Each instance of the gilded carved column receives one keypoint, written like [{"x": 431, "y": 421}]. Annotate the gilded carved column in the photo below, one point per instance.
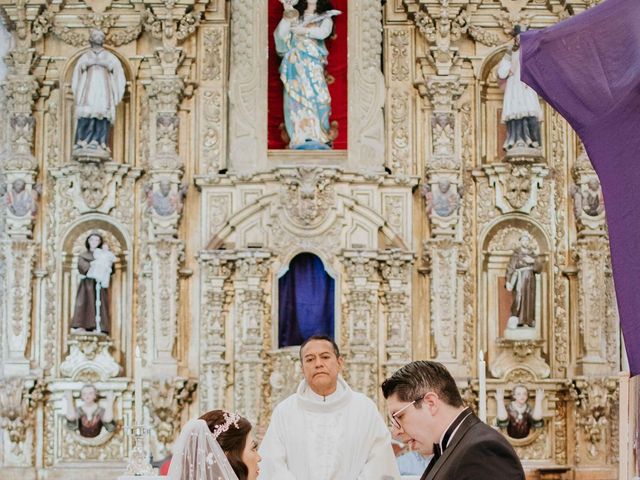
[
  {"x": 164, "y": 190},
  {"x": 597, "y": 326},
  {"x": 444, "y": 252},
  {"x": 216, "y": 269},
  {"x": 395, "y": 267},
  {"x": 19, "y": 168},
  {"x": 251, "y": 327},
  {"x": 359, "y": 335}
]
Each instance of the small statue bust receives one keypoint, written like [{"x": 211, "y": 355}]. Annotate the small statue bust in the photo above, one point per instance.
[
  {"x": 20, "y": 201},
  {"x": 89, "y": 418},
  {"x": 518, "y": 418}
]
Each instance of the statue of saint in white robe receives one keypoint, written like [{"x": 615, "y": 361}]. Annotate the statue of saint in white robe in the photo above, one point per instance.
[{"x": 338, "y": 437}]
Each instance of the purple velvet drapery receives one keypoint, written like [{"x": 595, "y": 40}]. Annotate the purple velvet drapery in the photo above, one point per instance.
[{"x": 305, "y": 301}]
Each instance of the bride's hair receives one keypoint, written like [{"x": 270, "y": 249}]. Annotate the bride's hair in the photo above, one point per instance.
[{"x": 232, "y": 440}]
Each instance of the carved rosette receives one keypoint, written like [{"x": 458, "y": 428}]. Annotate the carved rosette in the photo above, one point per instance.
[
  {"x": 166, "y": 399},
  {"x": 251, "y": 317},
  {"x": 214, "y": 364},
  {"x": 360, "y": 335},
  {"x": 395, "y": 269}
]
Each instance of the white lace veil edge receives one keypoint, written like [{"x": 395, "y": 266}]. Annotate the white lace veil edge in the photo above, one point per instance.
[{"x": 197, "y": 455}]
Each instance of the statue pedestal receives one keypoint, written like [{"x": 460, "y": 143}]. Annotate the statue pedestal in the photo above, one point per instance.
[
  {"x": 90, "y": 351},
  {"x": 519, "y": 354},
  {"x": 520, "y": 153},
  {"x": 520, "y": 333}
]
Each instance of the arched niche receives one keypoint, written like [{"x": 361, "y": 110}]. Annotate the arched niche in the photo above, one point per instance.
[
  {"x": 306, "y": 300},
  {"x": 497, "y": 245},
  {"x": 123, "y": 133},
  {"x": 120, "y": 288},
  {"x": 490, "y": 91}
]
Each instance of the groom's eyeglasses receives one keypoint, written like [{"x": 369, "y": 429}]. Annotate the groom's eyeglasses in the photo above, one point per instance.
[{"x": 393, "y": 417}]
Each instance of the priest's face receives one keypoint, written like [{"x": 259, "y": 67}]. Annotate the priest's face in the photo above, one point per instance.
[
  {"x": 321, "y": 366},
  {"x": 414, "y": 422}
]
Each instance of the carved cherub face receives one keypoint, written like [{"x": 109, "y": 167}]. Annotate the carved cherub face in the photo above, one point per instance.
[
  {"x": 18, "y": 185},
  {"x": 89, "y": 394},
  {"x": 593, "y": 184},
  {"x": 520, "y": 394},
  {"x": 165, "y": 188},
  {"x": 444, "y": 186}
]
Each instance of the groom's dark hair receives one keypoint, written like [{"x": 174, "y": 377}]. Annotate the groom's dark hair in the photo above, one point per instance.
[
  {"x": 416, "y": 379},
  {"x": 326, "y": 338}
]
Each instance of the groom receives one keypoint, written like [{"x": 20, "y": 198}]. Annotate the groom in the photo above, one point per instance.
[{"x": 427, "y": 412}]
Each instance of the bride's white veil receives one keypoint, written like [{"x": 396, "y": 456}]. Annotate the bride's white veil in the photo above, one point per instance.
[{"x": 197, "y": 455}]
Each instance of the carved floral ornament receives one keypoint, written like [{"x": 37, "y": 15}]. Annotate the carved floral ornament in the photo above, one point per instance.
[{"x": 167, "y": 25}]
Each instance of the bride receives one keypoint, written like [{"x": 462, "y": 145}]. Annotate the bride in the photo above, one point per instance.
[{"x": 217, "y": 446}]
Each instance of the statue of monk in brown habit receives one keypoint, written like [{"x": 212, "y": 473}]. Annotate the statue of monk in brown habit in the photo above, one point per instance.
[{"x": 521, "y": 280}]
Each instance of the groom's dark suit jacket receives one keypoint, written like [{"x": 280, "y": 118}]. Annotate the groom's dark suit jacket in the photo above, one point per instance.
[{"x": 477, "y": 452}]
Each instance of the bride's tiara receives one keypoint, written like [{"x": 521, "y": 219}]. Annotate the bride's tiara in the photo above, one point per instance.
[{"x": 229, "y": 419}]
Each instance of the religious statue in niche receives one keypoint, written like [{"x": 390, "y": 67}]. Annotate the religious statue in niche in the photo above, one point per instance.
[
  {"x": 89, "y": 418},
  {"x": 588, "y": 200},
  {"x": 444, "y": 200},
  {"x": 95, "y": 265},
  {"x": 300, "y": 41},
  {"x": 98, "y": 86},
  {"x": 520, "y": 108},
  {"x": 164, "y": 201},
  {"x": 20, "y": 201},
  {"x": 518, "y": 418},
  {"x": 523, "y": 266}
]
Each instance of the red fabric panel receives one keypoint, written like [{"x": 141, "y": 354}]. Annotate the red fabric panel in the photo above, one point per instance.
[{"x": 336, "y": 69}]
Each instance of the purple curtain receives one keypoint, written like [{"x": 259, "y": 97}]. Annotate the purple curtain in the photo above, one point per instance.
[{"x": 306, "y": 301}]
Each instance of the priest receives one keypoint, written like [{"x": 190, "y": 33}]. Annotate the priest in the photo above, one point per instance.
[{"x": 326, "y": 431}]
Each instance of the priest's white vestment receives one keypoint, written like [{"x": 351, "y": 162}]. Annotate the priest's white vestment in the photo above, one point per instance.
[{"x": 338, "y": 437}]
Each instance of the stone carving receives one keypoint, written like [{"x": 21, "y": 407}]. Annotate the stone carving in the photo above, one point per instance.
[
  {"x": 251, "y": 323},
  {"x": 516, "y": 186},
  {"x": 167, "y": 200},
  {"x": 588, "y": 202},
  {"x": 212, "y": 69},
  {"x": 167, "y": 399},
  {"x": 360, "y": 307},
  {"x": 308, "y": 196},
  {"x": 595, "y": 400},
  {"x": 592, "y": 261},
  {"x": 400, "y": 141},
  {"x": 212, "y": 134},
  {"x": 519, "y": 355},
  {"x": 90, "y": 358},
  {"x": 395, "y": 271},
  {"x": 368, "y": 85},
  {"x": 400, "y": 47},
  {"x": 19, "y": 399},
  {"x": 442, "y": 134},
  {"x": 214, "y": 369}
]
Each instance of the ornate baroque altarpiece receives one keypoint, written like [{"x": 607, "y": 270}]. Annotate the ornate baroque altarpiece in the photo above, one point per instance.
[{"x": 417, "y": 222}]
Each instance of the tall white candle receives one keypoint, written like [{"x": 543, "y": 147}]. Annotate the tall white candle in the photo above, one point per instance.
[
  {"x": 137, "y": 373},
  {"x": 482, "y": 377}
]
